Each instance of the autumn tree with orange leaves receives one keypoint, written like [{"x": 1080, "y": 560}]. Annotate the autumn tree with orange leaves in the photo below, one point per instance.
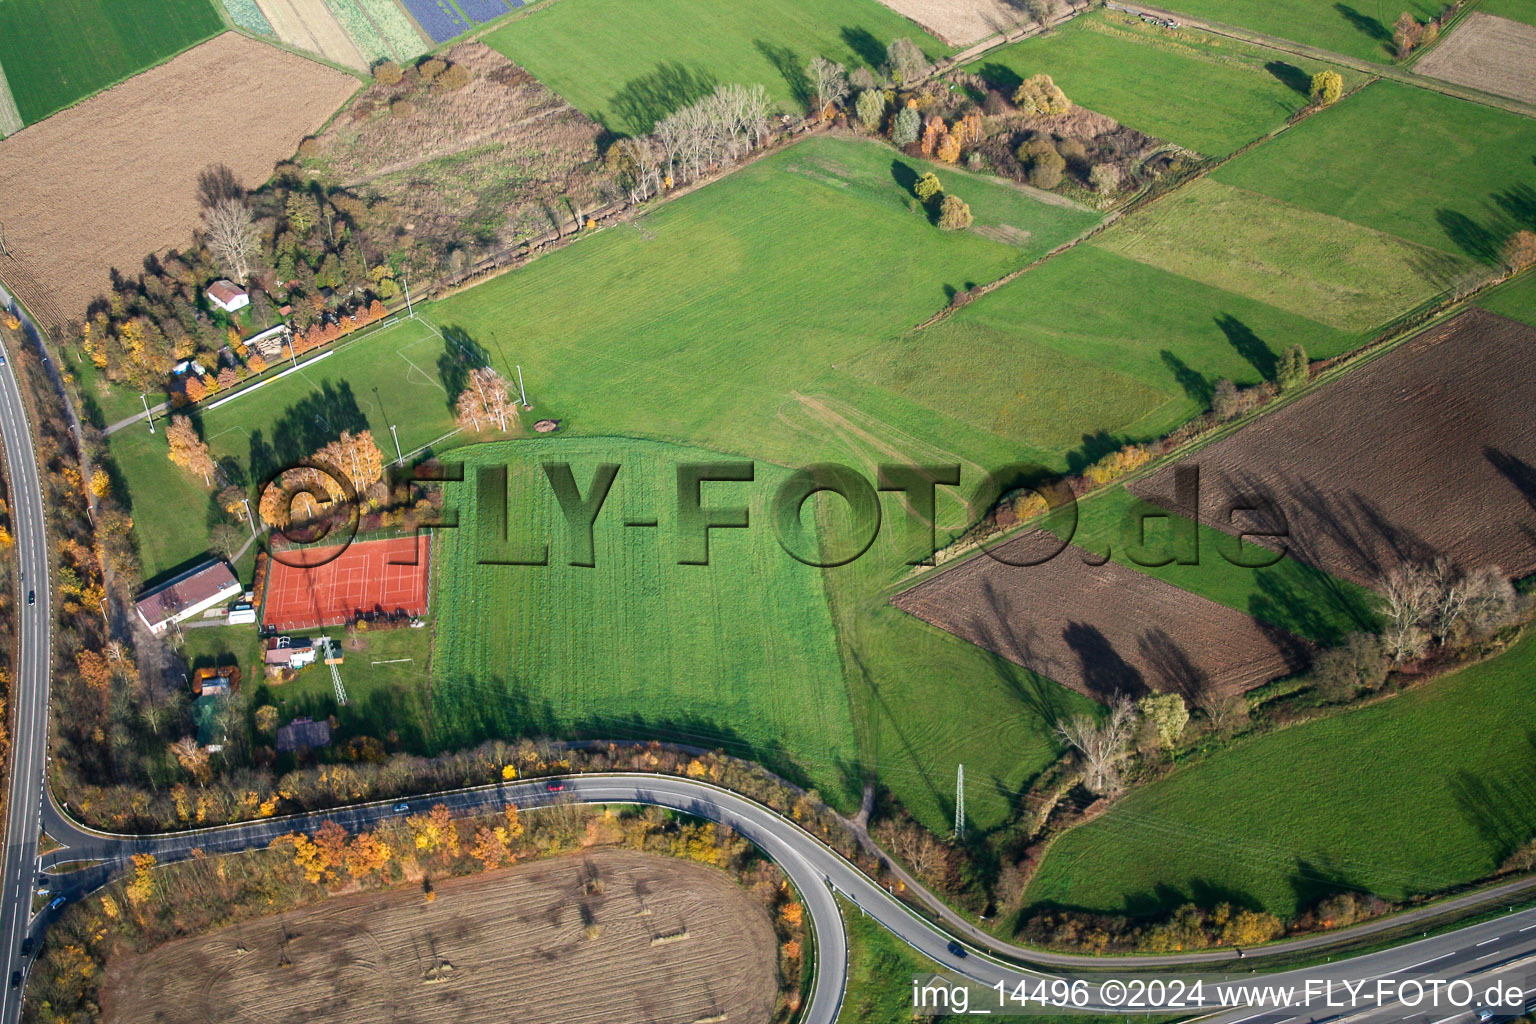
[{"x": 189, "y": 451}]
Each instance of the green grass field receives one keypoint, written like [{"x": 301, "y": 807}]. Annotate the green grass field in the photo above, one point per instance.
[
  {"x": 1362, "y": 29},
  {"x": 1202, "y": 92},
  {"x": 738, "y": 654},
  {"x": 629, "y": 65},
  {"x": 57, "y": 52},
  {"x": 386, "y": 676},
  {"x": 1422, "y": 792},
  {"x": 1089, "y": 347},
  {"x": 1516, "y": 299},
  {"x": 1307, "y": 263},
  {"x": 724, "y": 318},
  {"x": 1458, "y": 181}
]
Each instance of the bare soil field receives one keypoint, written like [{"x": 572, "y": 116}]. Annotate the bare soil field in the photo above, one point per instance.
[
  {"x": 310, "y": 25},
  {"x": 1487, "y": 52},
  {"x": 1428, "y": 451},
  {"x": 102, "y": 184},
  {"x": 675, "y": 942},
  {"x": 1101, "y": 629},
  {"x": 963, "y": 22},
  {"x": 491, "y": 156}
]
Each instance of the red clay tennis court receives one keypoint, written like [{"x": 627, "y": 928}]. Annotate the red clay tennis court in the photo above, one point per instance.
[{"x": 362, "y": 580}]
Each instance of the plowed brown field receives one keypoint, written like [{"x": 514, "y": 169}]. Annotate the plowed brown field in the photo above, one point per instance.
[
  {"x": 509, "y": 947},
  {"x": 109, "y": 181},
  {"x": 1487, "y": 52},
  {"x": 1428, "y": 451},
  {"x": 1101, "y": 629}
]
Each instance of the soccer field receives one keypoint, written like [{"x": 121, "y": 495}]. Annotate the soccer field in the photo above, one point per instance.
[{"x": 57, "y": 52}]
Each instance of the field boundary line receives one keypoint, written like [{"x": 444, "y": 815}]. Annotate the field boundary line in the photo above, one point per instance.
[
  {"x": 1398, "y": 74},
  {"x": 10, "y": 114}
]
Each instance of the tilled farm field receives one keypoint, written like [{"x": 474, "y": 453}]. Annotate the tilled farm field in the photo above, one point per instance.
[
  {"x": 1490, "y": 53},
  {"x": 128, "y": 161},
  {"x": 1429, "y": 451},
  {"x": 1101, "y": 629},
  {"x": 674, "y": 942},
  {"x": 310, "y": 25}
]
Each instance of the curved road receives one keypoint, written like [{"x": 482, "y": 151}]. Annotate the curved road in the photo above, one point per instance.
[{"x": 1495, "y": 949}]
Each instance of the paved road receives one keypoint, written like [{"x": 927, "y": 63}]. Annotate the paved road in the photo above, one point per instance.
[{"x": 29, "y": 739}]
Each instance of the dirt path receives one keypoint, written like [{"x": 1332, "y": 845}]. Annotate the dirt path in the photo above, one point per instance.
[{"x": 310, "y": 25}]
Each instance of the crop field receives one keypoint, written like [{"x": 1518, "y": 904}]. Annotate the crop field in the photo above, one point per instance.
[
  {"x": 1515, "y": 10},
  {"x": 963, "y": 22},
  {"x": 1398, "y": 461},
  {"x": 311, "y": 25},
  {"x": 1330, "y": 270},
  {"x": 1459, "y": 182},
  {"x": 1206, "y": 93},
  {"x": 1086, "y": 625},
  {"x": 513, "y": 937},
  {"x": 739, "y": 653},
  {"x": 66, "y": 251},
  {"x": 1412, "y": 795},
  {"x": 1088, "y": 347},
  {"x": 1494, "y": 54},
  {"x": 57, "y": 52},
  {"x": 1363, "y": 30},
  {"x": 628, "y": 65}
]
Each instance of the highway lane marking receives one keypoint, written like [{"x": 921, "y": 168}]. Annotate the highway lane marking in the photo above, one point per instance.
[
  {"x": 1528, "y": 927},
  {"x": 1485, "y": 942},
  {"x": 1421, "y": 963}
]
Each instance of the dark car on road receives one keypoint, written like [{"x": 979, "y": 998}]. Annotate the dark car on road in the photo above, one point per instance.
[
  {"x": 956, "y": 949},
  {"x": 15, "y": 979},
  {"x": 26, "y": 946},
  {"x": 31, "y": 597}
]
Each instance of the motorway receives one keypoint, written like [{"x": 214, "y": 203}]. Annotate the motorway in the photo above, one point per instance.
[{"x": 1502, "y": 948}]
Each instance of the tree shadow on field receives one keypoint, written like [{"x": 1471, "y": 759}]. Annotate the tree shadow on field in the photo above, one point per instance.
[
  {"x": 1001, "y": 77},
  {"x": 905, "y": 176},
  {"x": 461, "y": 354},
  {"x": 1195, "y": 386},
  {"x": 1248, "y": 345},
  {"x": 1502, "y": 807},
  {"x": 1290, "y": 76},
  {"x": 1364, "y": 23},
  {"x": 646, "y": 99},
  {"x": 1516, "y": 470},
  {"x": 1313, "y": 882},
  {"x": 791, "y": 67},
  {"x": 305, "y": 427},
  {"x": 864, "y": 45},
  {"x": 1104, "y": 672},
  {"x": 1093, "y": 448},
  {"x": 1481, "y": 242}
]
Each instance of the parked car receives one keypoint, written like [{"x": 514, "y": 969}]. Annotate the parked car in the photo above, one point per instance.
[{"x": 58, "y": 901}]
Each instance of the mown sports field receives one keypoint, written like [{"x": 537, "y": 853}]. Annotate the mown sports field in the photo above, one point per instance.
[{"x": 57, "y": 52}]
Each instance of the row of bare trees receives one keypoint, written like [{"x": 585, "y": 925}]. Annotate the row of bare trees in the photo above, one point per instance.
[
  {"x": 719, "y": 129},
  {"x": 1439, "y": 603}
]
